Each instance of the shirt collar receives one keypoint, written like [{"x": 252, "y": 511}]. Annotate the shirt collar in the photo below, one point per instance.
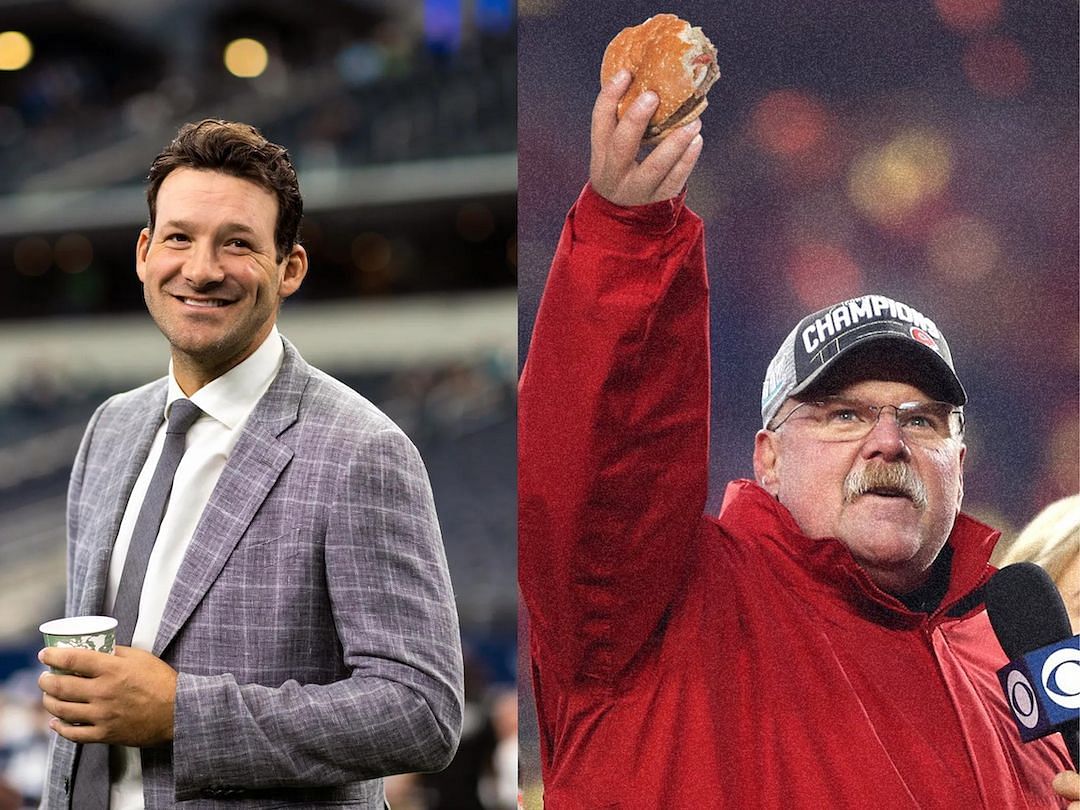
[{"x": 231, "y": 397}]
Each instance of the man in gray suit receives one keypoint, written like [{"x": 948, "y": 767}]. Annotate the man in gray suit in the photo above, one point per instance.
[{"x": 265, "y": 537}]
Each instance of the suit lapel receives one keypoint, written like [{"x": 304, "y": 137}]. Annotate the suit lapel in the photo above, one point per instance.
[
  {"x": 253, "y": 468},
  {"x": 135, "y": 427}
]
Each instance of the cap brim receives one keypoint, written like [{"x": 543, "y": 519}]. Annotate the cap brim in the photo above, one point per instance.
[{"x": 906, "y": 360}]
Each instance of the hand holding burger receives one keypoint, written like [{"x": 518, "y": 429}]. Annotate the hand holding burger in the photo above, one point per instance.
[
  {"x": 633, "y": 109},
  {"x": 669, "y": 57}
]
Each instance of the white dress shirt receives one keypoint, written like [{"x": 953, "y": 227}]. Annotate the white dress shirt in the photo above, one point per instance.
[{"x": 226, "y": 403}]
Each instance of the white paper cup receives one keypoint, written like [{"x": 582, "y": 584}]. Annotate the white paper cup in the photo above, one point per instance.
[{"x": 86, "y": 632}]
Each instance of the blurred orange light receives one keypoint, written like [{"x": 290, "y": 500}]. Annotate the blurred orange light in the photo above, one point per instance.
[
  {"x": 16, "y": 50},
  {"x": 997, "y": 67},
  {"x": 787, "y": 122},
  {"x": 969, "y": 16},
  {"x": 371, "y": 253},
  {"x": 73, "y": 252},
  {"x": 33, "y": 256},
  {"x": 246, "y": 58},
  {"x": 963, "y": 248},
  {"x": 374, "y": 258},
  {"x": 890, "y": 183},
  {"x": 821, "y": 274}
]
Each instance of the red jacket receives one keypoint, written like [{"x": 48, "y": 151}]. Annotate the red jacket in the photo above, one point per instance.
[{"x": 685, "y": 661}]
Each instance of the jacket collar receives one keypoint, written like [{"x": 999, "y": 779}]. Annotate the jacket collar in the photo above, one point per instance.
[{"x": 751, "y": 515}]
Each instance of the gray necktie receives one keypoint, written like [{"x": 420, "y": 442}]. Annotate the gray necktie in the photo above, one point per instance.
[{"x": 91, "y": 785}]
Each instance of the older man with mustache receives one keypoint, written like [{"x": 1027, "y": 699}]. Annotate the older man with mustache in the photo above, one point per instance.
[{"x": 822, "y": 641}]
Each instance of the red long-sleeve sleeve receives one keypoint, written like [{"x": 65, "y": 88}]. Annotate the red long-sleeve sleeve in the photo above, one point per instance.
[{"x": 614, "y": 436}]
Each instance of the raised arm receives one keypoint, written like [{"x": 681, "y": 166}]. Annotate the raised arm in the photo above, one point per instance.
[{"x": 613, "y": 433}]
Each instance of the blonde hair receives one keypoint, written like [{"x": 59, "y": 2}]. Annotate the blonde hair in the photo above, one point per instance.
[{"x": 1051, "y": 540}]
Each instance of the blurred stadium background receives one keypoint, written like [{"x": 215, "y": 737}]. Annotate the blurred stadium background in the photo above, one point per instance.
[
  {"x": 926, "y": 150},
  {"x": 400, "y": 118}
]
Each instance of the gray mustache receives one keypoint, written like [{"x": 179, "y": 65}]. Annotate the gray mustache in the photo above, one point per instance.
[{"x": 894, "y": 476}]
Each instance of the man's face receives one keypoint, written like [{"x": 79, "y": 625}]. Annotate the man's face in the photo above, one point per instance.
[
  {"x": 894, "y": 539},
  {"x": 209, "y": 271}
]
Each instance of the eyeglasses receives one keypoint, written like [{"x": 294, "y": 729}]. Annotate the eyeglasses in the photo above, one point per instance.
[{"x": 843, "y": 419}]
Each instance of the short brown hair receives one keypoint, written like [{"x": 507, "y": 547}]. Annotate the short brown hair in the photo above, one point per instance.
[{"x": 242, "y": 151}]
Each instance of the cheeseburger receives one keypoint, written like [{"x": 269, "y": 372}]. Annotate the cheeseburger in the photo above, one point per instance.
[{"x": 674, "y": 60}]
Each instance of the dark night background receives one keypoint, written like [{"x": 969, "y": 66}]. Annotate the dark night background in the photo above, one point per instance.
[{"x": 923, "y": 150}]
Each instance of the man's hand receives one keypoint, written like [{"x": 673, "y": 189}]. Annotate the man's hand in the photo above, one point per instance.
[
  {"x": 124, "y": 699},
  {"x": 614, "y": 171},
  {"x": 1067, "y": 786}
]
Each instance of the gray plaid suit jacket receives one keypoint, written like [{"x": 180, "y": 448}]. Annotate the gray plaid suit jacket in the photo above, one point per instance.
[{"x": 312, "y": 621}]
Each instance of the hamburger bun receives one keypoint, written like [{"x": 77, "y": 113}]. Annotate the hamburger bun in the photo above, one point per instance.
[{"x": 675, "y": 60}]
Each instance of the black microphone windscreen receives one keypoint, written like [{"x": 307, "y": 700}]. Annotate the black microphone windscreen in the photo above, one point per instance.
[{"x": 1025, "y": 609}]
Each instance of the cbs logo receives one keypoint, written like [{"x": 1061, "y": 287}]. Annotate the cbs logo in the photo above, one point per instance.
[{"x": 1060, "y": 678}]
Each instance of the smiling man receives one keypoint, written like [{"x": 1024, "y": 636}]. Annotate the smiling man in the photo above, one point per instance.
[
  {"x": 213, "y": 284},
  {"x": 821, "y": 642},
  {"x": 265, "y": 537}
]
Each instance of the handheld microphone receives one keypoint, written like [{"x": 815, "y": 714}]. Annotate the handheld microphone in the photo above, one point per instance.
[{"x": 1042, "y": 679}]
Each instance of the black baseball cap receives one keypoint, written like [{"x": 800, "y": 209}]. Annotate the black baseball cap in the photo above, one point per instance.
[{"x": 821, "y": 339}]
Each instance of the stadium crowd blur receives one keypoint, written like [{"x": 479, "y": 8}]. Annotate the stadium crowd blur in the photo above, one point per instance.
[
  {"x": 400, "y": 119},
  {"x": 924, "y": 150}
]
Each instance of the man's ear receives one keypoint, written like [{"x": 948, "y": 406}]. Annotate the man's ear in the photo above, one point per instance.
[
  {"x": 767, "y": 461},
  {"x": 296, "y": 265},
  {"x": 142, "y": 247}
]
